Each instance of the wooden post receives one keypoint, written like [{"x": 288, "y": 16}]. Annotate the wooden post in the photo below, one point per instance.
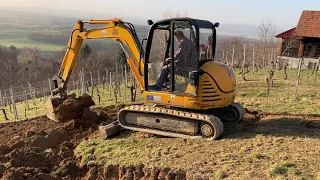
[
  {"x": 78, "y": 89},
  {"x": 1, "y": 102},
  {"x": 244, "y": 62},
  {"x": 5, "y": 98},
  {"x": 107, "y": 74},
  {"x": 30, "y": 89},
  {"x": 99, "y": 82},
  {"x": 222, "y": 56},
  {"x": 227, "y": 58},
  {"x": 301, "y": 48},
  {"x": 50, "y": 88},
  {"x": 125, "y": 75},
  {"x": 91, "y": 80},
  {"x": 122, "y": 74},
  {"x": 83, "y": 87},
  {"x": 232, "y": 60},
  {"x": 110, "y": 84},
  {"x": 73, "y": 86},
  {"x": 103, "y": 80},
  {"x": 26, "y": 99},
  {"x": 34, "y": 96},
  {"x": 98, "y": 94},
  {"x": 117, "y": 79},
  {"x": 115, "y": 95},
  {"x": 299, "y": 74},
  {"x": 13, "y": 104},
  {"x": 253, "y": 64}
]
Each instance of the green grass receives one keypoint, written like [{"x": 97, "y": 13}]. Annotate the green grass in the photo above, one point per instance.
[
  {"x": 253, "y": 93},
  {"x": 19, "y": 39},
  {"x": 235, "y": 158}
]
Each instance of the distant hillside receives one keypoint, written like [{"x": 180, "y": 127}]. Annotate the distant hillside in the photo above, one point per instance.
[{"x": 51, "y": 33}]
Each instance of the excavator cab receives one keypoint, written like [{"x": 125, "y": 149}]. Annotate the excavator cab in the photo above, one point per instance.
[{"x": 178, "y": 58}]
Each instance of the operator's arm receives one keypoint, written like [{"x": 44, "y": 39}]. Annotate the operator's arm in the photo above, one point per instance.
[{"x": 181, "y": 52}]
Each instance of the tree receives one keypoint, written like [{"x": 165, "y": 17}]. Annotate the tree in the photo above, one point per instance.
[
  {"x": 267, "y": 31},
  {"x": 28, "y": 59},
  {"x": 9, "y": 62},
  {"x": 85, "y": 51}
]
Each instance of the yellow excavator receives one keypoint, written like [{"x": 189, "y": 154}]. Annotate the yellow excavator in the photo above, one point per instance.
[{"x": 194, "y": 99}]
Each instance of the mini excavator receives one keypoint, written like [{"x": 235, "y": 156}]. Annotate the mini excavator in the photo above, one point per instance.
[{"x": 194, "y": 100}]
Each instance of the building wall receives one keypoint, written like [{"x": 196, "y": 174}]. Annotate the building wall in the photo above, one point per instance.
[{"x": 293, "y": 62}]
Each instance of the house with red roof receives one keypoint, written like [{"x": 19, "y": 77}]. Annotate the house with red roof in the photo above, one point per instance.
[{"x": 302, "y": 41}]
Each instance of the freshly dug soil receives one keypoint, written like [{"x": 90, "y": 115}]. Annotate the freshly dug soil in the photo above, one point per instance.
[{"x": 42, "y": 149}]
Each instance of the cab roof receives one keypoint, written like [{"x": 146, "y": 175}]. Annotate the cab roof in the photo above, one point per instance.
[{"x": 197, "y": 22}]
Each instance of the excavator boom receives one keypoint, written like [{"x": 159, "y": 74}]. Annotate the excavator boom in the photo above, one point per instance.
[{"x": 115, "y": 29}]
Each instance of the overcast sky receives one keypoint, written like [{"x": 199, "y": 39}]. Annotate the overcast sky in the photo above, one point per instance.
[{"x": 249, "y": 12}]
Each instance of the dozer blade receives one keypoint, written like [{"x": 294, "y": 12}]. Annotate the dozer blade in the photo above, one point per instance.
[{"x": 110, "y": 130}]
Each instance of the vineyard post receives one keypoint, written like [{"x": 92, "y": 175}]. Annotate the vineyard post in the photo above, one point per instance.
[
  {"x": 244, "y": 62},
  {"x": 222, "y": 56},
  {"x": 107, "y": 74},
  {"x": 232, "y": 60},
  {"x": 125, "y": 75},
  {"x": 91, "y": 82},
  {"x": 117, "y": 79},
  {"x": 99, "y": 82},
  {"x": 83, "y": 88},
  {"x": 13, "y": 104},
  {"x": 6, "y": 98},
  {"x": 253, "y": 63},
  {"x": 227, "y": 58},
  {"x": 110, "y": 84},
  {"x": 299, "y": 75},
  {"x": 50, "y": 87},
  {"x": 30, "y": 89},
  {"x": 1, "y": 101}
]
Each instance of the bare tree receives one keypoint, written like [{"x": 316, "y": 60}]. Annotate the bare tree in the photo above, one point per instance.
[
  {"x": 267, "y": 31},
  {"x": 9, "y": 61},
  {"x": 28, "y": 59}
]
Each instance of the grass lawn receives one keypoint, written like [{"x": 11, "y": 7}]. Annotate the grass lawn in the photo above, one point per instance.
[
  {"x": 253, "y": 93},
  {"x": 272, "y": 148}
]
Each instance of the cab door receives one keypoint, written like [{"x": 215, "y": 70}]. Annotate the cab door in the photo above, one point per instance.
[{"x": 183, "y": 54}]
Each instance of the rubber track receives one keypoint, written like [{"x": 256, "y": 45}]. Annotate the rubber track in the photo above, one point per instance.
[{"x": 211, "y": 119}]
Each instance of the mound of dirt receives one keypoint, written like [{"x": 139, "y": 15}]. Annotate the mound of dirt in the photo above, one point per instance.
[{"x": 71, "y": 107}]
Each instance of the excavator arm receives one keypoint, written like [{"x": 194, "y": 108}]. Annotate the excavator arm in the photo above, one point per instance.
[
  {"x": 61, "y": 107},
  {"x": 115, "y": 29}
]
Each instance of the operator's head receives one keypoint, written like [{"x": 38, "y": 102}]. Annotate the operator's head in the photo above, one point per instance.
[
  {"x": 210, "y": 40},
  {"x": 179, "y": 35}
]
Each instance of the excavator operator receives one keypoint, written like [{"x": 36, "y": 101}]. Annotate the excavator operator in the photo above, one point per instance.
[{"x": 184, "y": 58}]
